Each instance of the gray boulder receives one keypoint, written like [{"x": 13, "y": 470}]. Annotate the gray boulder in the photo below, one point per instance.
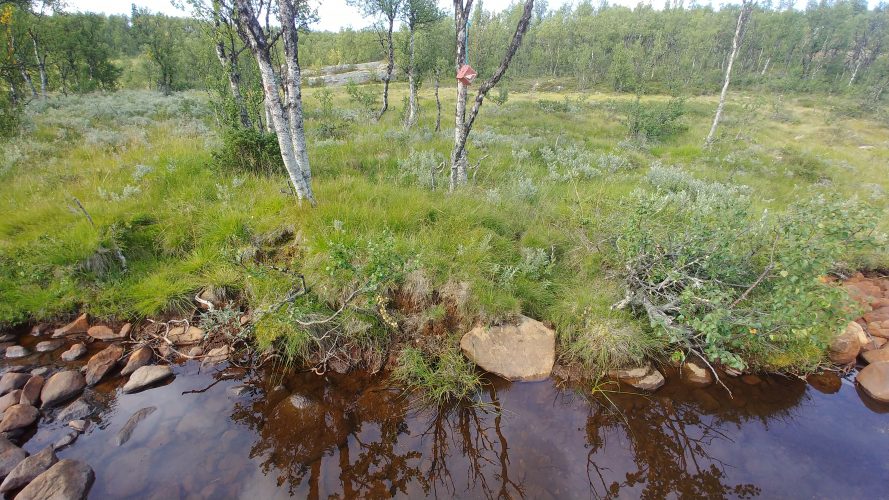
[
  {"x": 61, "y": 387},
  {"x": 66, "y": 480},
  {"x": 28, "y": 469},
  {"x": 146, "y": 376}
]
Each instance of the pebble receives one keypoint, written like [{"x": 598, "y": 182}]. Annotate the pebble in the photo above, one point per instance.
[
  {"x": 42, "y": 371},
  {"x": 79, "y": 409},
  {"x": 65, "y": 440},
  {"x": 79, "y": 425},
  {"x": 74, "y": 352},
  {"x": 16, "y": 352},
  {"x": 48, "y": 345}
]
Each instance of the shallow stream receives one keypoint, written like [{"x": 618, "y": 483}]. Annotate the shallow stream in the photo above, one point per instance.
[{"x": 230, "y": 433}]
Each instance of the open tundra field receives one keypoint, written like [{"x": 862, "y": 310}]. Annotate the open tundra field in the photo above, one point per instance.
[{"x": 583, "y": 210}]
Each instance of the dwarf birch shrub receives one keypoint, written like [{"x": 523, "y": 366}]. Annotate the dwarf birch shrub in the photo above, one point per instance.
[{"x": 742, "y": 288}]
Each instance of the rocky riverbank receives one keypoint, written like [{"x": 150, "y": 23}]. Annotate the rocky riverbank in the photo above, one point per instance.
[{"x": 49, "y": 370}]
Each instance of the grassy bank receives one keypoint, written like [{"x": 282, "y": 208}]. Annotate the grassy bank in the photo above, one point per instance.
[{"x": 561, "y": 204}]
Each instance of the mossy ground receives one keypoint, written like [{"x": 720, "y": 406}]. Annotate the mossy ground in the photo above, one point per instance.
[{"x": 515, "y": 240}]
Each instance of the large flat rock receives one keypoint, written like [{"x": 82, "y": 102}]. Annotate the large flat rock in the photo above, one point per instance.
[
  {"x": 66, "y": 480},
  {"x": 522, "y": 351},
  {"x": 874, "y": 380}
]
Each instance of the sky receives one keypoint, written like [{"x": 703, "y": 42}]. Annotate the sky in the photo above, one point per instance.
[{"x": 333, "y": 14}]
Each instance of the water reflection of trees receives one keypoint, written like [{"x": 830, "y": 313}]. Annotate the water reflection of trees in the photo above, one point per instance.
[
  {"x": 671, "y": 436},
  {"x": 358, "y": 438}
]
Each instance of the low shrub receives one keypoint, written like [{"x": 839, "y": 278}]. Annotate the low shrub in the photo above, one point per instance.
[
  {"x": 655, "y": 120},
  {"x": 249, "y": 150},
  {"x": 720, "y": 280}
]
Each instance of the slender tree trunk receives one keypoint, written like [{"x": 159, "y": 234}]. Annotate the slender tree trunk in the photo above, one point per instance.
[
  {"x": 458, "y": 155},
  {"x": 765, "y": 66},
  {"x": 293, "y": 84},
  {"x": 855, "y": 71},
  {"x": 390, "y": 67},
  {"x": 41, "y": 63},
  {"x": 464, "y": 122},
  {"x": 229, "y": 61},
  {"x": 736, "y": 43},
  {"x": 412, "y": 84},
  {"x": 228, "y": 58},
  {"x": 27, "y": 78},
  {"x": 253, "y": 35},
  {"x": 437, "y": 103}
]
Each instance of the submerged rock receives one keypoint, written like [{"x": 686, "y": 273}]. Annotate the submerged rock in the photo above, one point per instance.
[
  {"x": 99, "y": 365},
  {"x": 181, "y": 336},
  {"x": 139, "y": 358},
  {"x": 521, "y": 352},
  {"x": 79, "y": 325},
  {"x": 10, "y": 456},
  {"x": 126, "y": 432},
  {"x": 66, "y": 440},
  {"x": 66, "y": 480},
  {"x": 300, "y": 402},
  {"x": 12, "y": 381},
  {"x": 696, "y": 373},
  {"x": 43, "y": 371},
  {"x": 31, "y": 391},
  {"x": 146, "y": 376},
  {"x": 874, "y": 381},
  {"x": 78, "y": 425},
  {"x": 74, "y": 352},
  {"x": 17, "y": 417},
  {"x": 644, "y": 377},
  {"x": 845, "y": 347},
  {"x": 76, "y": 410},
  {"x": 28, "y": 469},
  {"x": 828, "y": 383},
  {"x": 61, "y": 387},
  {"x": 102, "y": 332},
  {"x": 650, "y": 382},
  {"x": 216, "y": 356},
  {"x": 48, "y": 345},
  {"x": 637, "y": 372},
  {"x": 237, "y": 391},
  {"x": 16, "y": 351}
]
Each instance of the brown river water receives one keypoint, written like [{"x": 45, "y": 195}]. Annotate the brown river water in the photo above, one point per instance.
[{"x": 230, "y": 433}]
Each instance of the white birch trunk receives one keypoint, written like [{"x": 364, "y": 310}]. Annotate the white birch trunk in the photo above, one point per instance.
[
  {"x": 390, "y": 67},
  {"x": 855, "y": 71},
  {"x": 736, "y": 43},
  {"x": 412, "y": 84},
  {"x": 464, "y": 122},
  {"x": 288, "y": 126}
]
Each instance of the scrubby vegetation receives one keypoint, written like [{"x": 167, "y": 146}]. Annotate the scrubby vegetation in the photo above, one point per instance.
[
  {"x": 604, "y": 215},
  {"x": 728, "y": 246}
]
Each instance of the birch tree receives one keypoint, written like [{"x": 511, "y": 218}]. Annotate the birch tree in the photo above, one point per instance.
[
  {"x": 34, "y": 33},
  {"x": 389, "y": 11},
  {"x": 746, "y": 9},
  {"x": 222, "y": 31},
  {"x": 228, "y": 53},
  {"x": 416, "y": 14},
  {"x": 464, "y": 122},
  {"x": 285, "y": 112}
]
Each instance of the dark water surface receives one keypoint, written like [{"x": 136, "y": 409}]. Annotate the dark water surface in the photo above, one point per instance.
[{"x": 229, "y": 434}]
